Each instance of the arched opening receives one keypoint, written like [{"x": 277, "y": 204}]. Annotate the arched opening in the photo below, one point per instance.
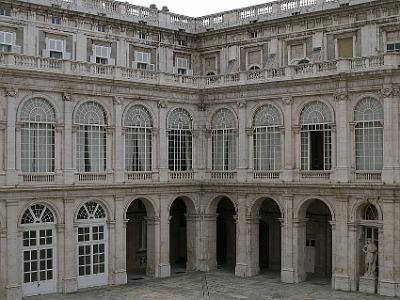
[
  {"x": 178, "y": 236},
  {"x": 269, "y": 237},
  {"x": 226, "y": 234},
  {"x": 316, "y": 240},
  {"x": 136, "y": 241}
]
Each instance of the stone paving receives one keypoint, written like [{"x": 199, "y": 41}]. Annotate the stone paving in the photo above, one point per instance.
[{"x": 220, "y": 286}]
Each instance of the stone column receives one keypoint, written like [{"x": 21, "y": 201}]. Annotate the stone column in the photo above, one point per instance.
[
  {"x": 155, "y": 165},
  {"x": 387, "y": 266},
  {"x": 112, "y": 250},
  {"x": 196, "y": 146},
  {"x": 119, "y": 153},
  {"x": 153, "y": 246},
  {"x": 208, "y": 141},
  {"x": 253, "y": 241},
  {"x": 109, "y": 153},
  {"x": 70, "y": 283},
  {"x": 250, "y": 156},
  {"x": 299, "y": 249},
  {"x": 342, "y": 142},
  {"x": 242, "y": 165},
  {"x": 287, "y": 147},
  {"x": 296, "y": 152},
  {"x": 353, "y": 254},
  {"x": 3, "y": 255},
  {"x": 14, "y": 265},
  {"x": 11, "y": 172},
  {"x": 193, "y": 241},
  {"x": 58, "y": 153},
  {"x": 120, "y": 276},
  {"x": 210, "y": 241},
  {"x": 242, "y": 251},
  {"x": 164, "y": 264},
  {"x": 390, "y": 97},
  {"x": 163, "y": 146},
  {"x": 68, "y": 150},
  {"x": 333, "y": 249},
  {"x": 287, "y": 240},
  {"x": 60, "y": 254},
  {"x": 340, "y": 261}
]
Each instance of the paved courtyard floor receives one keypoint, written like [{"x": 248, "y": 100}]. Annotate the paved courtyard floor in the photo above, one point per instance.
[{"x": 216, "y": 285}]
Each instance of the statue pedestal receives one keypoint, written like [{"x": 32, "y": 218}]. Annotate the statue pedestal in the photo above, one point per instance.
[{"x": 368, "y": 285}]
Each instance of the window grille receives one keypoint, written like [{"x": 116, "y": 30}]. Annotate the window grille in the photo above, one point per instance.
[
  {"x": 91, "y": 137},
  {"x": 91, "y": 210},
  {"x": 267, "y": 138},
  {"x": 371, "y": 213},
  {"x": 37, "y": 214},
  {"x": 223, "y": 127},
  {"x": 368, "y": 115},
  {"x": 315, "y": 137},
  {"x": 180, "y": 140},
  {"x": 138, "y": 124},
  {"x": 37, "y": 136}
]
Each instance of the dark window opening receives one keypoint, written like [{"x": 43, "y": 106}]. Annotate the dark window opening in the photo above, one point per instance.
[{"x": 317, "y": 150}]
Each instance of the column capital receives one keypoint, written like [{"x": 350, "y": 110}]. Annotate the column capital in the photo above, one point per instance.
[
  {"x": 117, "y": 100},
  {"x": 11, "y": 92},
  {"x": 162, "y": 104},
  {"x": 296, "y": 129},
  {"x": 287, "y": 100},
  {"x": 341, "y": 96},
  {"x": 152, "y": 220},
  {"x": 241, "y": 104},
  {"x": 67, "y": 97},
  {"x": 69, "y": 200},
  {"x": 249, "y": 131}
]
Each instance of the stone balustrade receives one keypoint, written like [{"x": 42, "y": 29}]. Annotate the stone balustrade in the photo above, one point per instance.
[
  {"x": 318, "y": 69},
  {"x": 163, "y": 18}
]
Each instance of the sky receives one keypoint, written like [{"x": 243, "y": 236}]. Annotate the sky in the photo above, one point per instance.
[{"x": 198, "y": 8}]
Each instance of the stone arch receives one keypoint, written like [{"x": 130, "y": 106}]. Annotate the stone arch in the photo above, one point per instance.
[
  {"x": 274, "y": 108},
  {"x": 183, "y": 113},
  {"x": 218, "y": 110},
  {"x": 145, "y": 109},
  {"x": 300, "y": 107},
  {"x": 189, "y": 202},
  {"x": 256, "y": 204},
  {"x": 368, "y": 103},
  {"x": 357, "y": 209},
  {"x": 148, "y": 203},
  {"x": 213, "y": 204},
  {"x": 107, "y": 209},
  {"x": 303, "y": 205}
]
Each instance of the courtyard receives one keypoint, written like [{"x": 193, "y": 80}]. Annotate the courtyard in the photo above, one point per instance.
[{"x": 214, "y": 285}]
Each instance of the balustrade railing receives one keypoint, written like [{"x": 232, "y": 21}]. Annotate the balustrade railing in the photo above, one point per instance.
[
  {"x": 223, "y": 175},
  {"x": 315, "y": 174},
  {"x": 23, "y": 62},
  {"x": 368, "y": 176},
  {"x": 266, "y": 175},
  {"x": 91, "y": 177},
  {"x": 139, "y": 176},
  {"x": 181, "y": 175},
  {"x": 38, "y": 177}
]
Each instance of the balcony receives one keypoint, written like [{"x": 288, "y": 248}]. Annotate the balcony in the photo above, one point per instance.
[
  {"x": 91, "y": 177},
  {"x": 315, "y": 175},
  {"x": 266, "y": 175},
  {"x": 368, "y": 176},
  {"x": 316, "y": 70},
  {"x": 36, "y": 178},
  {"x": 223, "y": 176},
  {"x": 181, "y": 175},
  {"x": 139, "y": 176}
]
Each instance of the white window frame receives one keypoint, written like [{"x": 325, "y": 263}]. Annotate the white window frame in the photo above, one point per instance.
[
  {"x": 181, "y": 63},
  {"x": 343, "y": 37},
  {"x": 395, "y": 43},
  {"x": 291, "y": 60}
]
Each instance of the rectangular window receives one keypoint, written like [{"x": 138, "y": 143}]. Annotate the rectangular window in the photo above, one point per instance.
[
  {"x": 56, "y": 20},
  {"x": 296, "y": 52},
  {"x": 56, "y": 48},
  {"x": 393, "y": 41},
  {"x": 4, "y": 11},
  {"x": 182, "y": 65},
  {"x": 102, "y": 54},
  {"x": 345, "y": 47},
  {"x": 101, "y": 28},
  {"x": 6, "y": 41},
  {"x": 316, "y": 147},
  {"x": 142, "y": 35}
]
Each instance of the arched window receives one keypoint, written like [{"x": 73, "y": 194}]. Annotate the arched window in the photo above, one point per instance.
[
  {"x": 368, "y": 115},
  {"x": 38, "y": 119},
  {"x": 138, "y": 124},
  {"x": 38, "y": 251},
  {"x": 179, "y": 140},
  {"x": 91, "y": 137},
  {"x": 92, "y": 245},
  {"x": 316, "y": 141},
  {"x": 223, "y": 126},
  {"x": 371, "y": 213},
  {"x": 267, "y": 138}
]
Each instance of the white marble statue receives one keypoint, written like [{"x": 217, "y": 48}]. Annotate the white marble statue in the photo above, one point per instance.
[{"x": 370, "y": 251}]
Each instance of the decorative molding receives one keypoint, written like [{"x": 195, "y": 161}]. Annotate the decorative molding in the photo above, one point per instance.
[
  {"x": 162, "y": 104},
  {"x": 249, "y": 131},
  {"x": 287, "y": 100},
  {"x": 11, "y": 92},
  {"x": 341, "y": 96},
  {"x": 389, "y": 91},
  {"x": 207, "y": 132},
  {"x": 67, "y": 96},
  {"x": 241, "y": 104},
  {"x": 117, "y": 100},
  {"x": 202, "y": 107}
]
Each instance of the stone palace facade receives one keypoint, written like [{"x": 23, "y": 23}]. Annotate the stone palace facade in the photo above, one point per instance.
[{"x": 138, "y": 141}]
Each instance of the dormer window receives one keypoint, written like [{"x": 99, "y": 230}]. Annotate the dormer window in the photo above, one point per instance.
[
  {"x": 142, "y": 35},
  {"x": 102, "y": 54},
  {"x": 56, "y": 20},
  {"x": 6, "y": 41},
  {"x": 101, "y": 27},
  {"x": 142, "y": 61},
  {"x": 56, "y": 48}
]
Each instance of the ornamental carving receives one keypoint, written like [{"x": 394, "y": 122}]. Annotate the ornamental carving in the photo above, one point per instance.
[
  {"x": 389, "y": 91},
  {"x": 67, "y": 97},
  {"x": 117, "y": 100},
  {"x": 287, "y": 100},
  {"x": 241, "y": 104},
  {"x": 11, "y": 92},
  {"x": 202, "y": 107},
  {"x": 162, "y": 104},
  {"x": 341, "y": 96}
]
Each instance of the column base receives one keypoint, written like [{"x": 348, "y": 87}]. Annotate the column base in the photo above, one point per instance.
[
  {"x": 341, "y": 282},
  {"x": 120, "y": 277},
  {"x": 13, "y": 292},
  {"x": 387, "y": 288},
  {"x": 288, "y": 275},
  {"x": 241, "y": 270},
  {"x": 70, "y": 285},
  {"x": 368, "y": 285},
  {"x": 164, "y": 270},
  {"x": 253, "y": 271}
]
